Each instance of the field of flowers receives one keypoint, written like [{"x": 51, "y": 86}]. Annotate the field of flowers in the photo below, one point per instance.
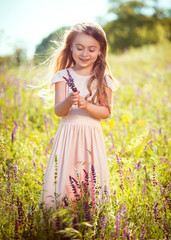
[{"x": 137, "y": 138}]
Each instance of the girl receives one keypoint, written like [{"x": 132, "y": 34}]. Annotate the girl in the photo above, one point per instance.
[{"x": 83, "y": 90}]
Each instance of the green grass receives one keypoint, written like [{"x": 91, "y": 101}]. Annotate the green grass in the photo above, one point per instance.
[{"x": 137, "y": 138}]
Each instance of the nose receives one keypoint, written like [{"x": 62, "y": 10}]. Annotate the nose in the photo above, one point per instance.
[{"x": 85, "y": 52}]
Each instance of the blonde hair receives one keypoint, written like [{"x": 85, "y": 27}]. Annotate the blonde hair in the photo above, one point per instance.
[{"x": 63, "y": 59}]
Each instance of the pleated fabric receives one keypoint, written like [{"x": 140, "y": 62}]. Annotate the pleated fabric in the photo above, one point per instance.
[{"x": 78, "y": 144}]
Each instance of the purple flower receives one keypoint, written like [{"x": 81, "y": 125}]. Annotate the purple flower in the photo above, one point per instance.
[
  {"x": 155, "y": 209},
  {"x": 93, "y": 173},
  {"x": 86, "y": 210},
  {"x": 142, "y": 232},
  {"x": 72, "y": 180},
  {"x": 70, "y": 82},
  {"x": 14, "y": 131}
]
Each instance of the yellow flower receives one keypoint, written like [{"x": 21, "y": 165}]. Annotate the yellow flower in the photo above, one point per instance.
[
  {"x": 141, "y": 122},
  {"x": 111, "y": 123},
  {"x": 126, "y": 118}
]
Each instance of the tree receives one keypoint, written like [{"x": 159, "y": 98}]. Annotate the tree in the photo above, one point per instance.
[{"x": 132, "y": 27}]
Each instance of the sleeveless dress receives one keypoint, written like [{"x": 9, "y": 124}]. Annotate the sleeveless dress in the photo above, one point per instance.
[{"x": 78, "y": 145}]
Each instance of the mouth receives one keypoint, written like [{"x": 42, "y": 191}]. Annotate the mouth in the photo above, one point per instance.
[{"x": 84, "y": 60}]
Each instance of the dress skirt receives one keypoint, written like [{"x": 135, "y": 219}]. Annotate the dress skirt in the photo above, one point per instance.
[{"x": 78, "y": 145}]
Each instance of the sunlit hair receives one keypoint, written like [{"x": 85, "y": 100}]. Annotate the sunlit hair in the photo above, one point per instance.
[{"x": 63, "y": 59}]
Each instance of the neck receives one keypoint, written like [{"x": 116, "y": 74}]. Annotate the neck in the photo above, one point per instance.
[{"x": 83, "y": 71}]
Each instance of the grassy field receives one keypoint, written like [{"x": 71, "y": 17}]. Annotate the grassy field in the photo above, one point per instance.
[{"x": 137, "y": 138}]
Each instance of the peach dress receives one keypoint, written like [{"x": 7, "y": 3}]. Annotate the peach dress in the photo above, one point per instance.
[{"x": 78, "y": 144}]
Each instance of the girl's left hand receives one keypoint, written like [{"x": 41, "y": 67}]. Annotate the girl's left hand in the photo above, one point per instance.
[{"x": 82, "y": 103}]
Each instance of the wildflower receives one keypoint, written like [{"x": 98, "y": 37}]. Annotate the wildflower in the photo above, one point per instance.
[
  {"x": 8, "y": 182},
  {"x": 14, "y": 131},
  {"x": 111, "y": 123},
  {"x": 126, "y": 234},
  {"x": 141, "y": 123},
  {"x": 70, "y": 82},
  {"x": 86, "y": 210},
  {"x": 93, "y": 182},
  {"x": 165, "y": 139},
  {"x": 126, "y": 118},
  {"x": 155, "y": 210},
  {"x": 142, "y": 232},
  {"x": 102, "y": 221},
  {"x": 72, "y": 180},
  {"x": 138, "y": 165},
  {"x": 117, "y": 224},
  {"x": 154, "y": 180},
  {"x": 147, "y": 145}
]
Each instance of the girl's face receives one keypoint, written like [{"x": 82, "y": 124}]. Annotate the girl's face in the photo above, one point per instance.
[{"x": 85, "y": 50}]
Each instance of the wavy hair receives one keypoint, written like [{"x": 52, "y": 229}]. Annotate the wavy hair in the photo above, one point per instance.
[{"x": 63, "y": 59}]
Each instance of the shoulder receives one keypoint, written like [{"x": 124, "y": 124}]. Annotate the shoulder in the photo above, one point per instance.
[
  {"x": 112, "y": 83},
  {"x": 58, "y": 77}
]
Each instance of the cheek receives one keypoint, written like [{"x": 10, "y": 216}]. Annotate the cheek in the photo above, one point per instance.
[{"x": 75, "y": 53}]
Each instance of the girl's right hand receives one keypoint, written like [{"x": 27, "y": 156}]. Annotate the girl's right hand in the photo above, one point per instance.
[{"x": 74, "y": 97}]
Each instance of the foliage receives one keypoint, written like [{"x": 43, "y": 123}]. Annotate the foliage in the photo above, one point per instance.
[
  {"x": 137, "y": 139},
  {"x": 132, "y": 27},
  {"x": 19, "y": 57}
]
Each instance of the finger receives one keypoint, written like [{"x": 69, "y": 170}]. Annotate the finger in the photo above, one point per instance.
[{"x": 75, "y": 93}]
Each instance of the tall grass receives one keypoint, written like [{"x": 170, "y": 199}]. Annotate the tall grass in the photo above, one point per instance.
[{"x": 137, "y": 138}]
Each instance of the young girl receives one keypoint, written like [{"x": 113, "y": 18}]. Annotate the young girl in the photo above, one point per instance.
[{"x": 83, "y": 90}]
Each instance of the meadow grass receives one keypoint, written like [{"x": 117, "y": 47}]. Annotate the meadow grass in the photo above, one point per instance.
[{"x": 137, "y": 139}]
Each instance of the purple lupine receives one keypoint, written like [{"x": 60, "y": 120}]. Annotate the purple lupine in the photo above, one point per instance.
[
  {"x": 147, "y": 145},
  {"x": 138, "y": 165},
  {"x": 70, "y": 82},
  {"x": 103, "y": 224},
  {"x": 86, "y": 177},
  {"x": 164, "y": 206},
  {"x": 126, "y": 234},
  {"x": 64, "y": 199},
  {"x": 16, "y": 229},
  {"x": 20, "y": 211},
  {"x": 37, "y": 181},
  {"x": 142, "y": 232},
  {"x": 165, "y": 139},
  {"x": 74, "y": 188},
  {"x": 93, "y": 183},
  {"x": 8, "y": 182},
  {"x": 164, "y": 228},
  {"x": 124, "y": 212},
  {"x": 117, "y": 224},
  {"x": 43, "y": 167},
  {"x": 87, "y": 211},
  {"x": 93, "y": 173},
  {"x": 154, "y": 179},
  {"x": 155, "y": 210},
  {"x": 14, "y": 131}
]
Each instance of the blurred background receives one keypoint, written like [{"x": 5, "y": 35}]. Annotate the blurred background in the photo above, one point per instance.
[{"x": 27, "y": 27}]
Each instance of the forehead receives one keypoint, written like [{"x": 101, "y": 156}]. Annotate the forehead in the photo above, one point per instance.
[{"x": 85, "y": 40}]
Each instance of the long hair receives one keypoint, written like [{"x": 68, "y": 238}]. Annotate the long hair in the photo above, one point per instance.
[{"x": 63, "y": 59}]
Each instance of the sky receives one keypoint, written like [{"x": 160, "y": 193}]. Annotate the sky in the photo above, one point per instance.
[{"x": 24, "y": 23}]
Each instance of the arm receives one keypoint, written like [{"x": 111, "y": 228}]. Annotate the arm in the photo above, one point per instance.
[
  {"x": 63, "y": 104},
  {"x": 99, "y": 112}
]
